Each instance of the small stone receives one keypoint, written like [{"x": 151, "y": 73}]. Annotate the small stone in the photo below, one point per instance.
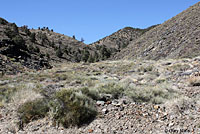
[
  {"x": 168, "y": 63},
  {"x": 156, "y": 107},
  {"x": 35, "y": 129},
  {"x": 108, "y": 102},
  {"x": 4, "y": 82},
  {"x": 165, "y": 114},
  {"x": 90, "y": 130},
  {"x": 105, "y": 97},
  {"x": 114, "y": 102},
  {"x": 170, "y": 124},
  {"x": 104, "y": 111},
  {"x": 157, "y": 116},
  {"x": 100, "y": 103},
  {"x": 121, "y": 108},
  {"x": 118, "y": 117}
]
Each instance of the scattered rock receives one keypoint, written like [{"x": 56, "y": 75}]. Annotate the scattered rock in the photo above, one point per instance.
[
  {"x": 105, "y": 111},
  {"x": 100, "y": 103},
  {"x": 4, "y": 82},
  {"x": 90, "y": 130},
  {"x": 106, "y": 97},
  {"x": 156, "y": 107}
]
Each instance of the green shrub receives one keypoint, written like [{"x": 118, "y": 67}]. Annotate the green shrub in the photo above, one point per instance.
[
  {"x": 105, "y": 52},
  {"x": 94, "y": 94},
  {"x": 26, "y": 30},
  {"x": 10, "y": 33},
  {"x": 42, "y": 36},
  {"x": 91, "y": 59},
  {"x": 19, "y": 41},
  {"x": 52, "y": 44},
  {"x": 47, "y": 55},
  {"x": 37, "y": 49},
  {"x": 33, "y": 110},
  {"x": 59, "y": 53},
  {"x": 71, "y": 108},
  {"x": 32, "y": 37},
  {"x": 31, "y": 48},
  {"x": 85, "y": 55},
  {"x": 3, "y": 21},
  {"x": 14, "y": 27}
]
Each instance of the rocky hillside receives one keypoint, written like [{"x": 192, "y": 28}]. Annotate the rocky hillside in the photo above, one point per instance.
[
  {"x": 175, "y": 38},
  {"x": 121, "y": 39},
  {"x": 21, "y": 47}
]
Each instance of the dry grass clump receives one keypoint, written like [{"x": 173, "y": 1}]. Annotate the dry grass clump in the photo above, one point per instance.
[
  {"x": 144, "y": 93},
  {"x": 194, "y": 81},
  {"x": 90, "y": 92},
  {"x": 151, "y": 94},
  {"x": 145, "y": 69},
  {"x": 179, "y": 67},
  {"x": 26, "y": 94},
  {"x": 161, "y": 80},
  {"x": 6, "y": 93},
  {"x": 61, "y": 76},
  {"x": 1, "y": 104},
  {"x": 116, "y": 90},
  {"x": 181, "y": 104}
]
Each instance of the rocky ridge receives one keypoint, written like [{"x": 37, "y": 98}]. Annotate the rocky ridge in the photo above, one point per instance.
[
  {"x": 121, "y": 39},
  {"x": 175, "y": 38}
]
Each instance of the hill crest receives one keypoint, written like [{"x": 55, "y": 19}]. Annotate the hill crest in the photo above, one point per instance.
[{"x": 175, "y": 38}]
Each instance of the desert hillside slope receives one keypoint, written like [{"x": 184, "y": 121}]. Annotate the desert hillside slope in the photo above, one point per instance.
[
  {"x": 176, "y": 38},
  {"x": 21, "y": 47},
  {"x": 121, "y": 38},
  {"x": 51, "y": 83}
]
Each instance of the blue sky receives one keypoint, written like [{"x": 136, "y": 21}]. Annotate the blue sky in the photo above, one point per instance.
[{"x": 91, "y": 19}]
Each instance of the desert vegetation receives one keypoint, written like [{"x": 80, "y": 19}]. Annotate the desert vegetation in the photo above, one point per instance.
[
  {"x": 132, "y": 81},
  {"x": 75, "y": 103}
]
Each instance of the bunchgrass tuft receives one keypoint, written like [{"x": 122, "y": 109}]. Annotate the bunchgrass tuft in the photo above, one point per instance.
[
  {"x": 151, "y": 94},
  {"x": 114, "y": 89},
  {"x": 6, "y": 93}
]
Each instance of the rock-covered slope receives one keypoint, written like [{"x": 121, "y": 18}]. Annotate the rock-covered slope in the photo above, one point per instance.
[
  {"x": 21, "y": 47},
  {"x": 121, "y": 39},
  {"x": 175, "y": 38}
]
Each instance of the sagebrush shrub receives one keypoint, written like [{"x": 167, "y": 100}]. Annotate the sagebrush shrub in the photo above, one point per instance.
[
  {"x": 72, "y": 108},
  {"x": 33, "y": 110}
]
